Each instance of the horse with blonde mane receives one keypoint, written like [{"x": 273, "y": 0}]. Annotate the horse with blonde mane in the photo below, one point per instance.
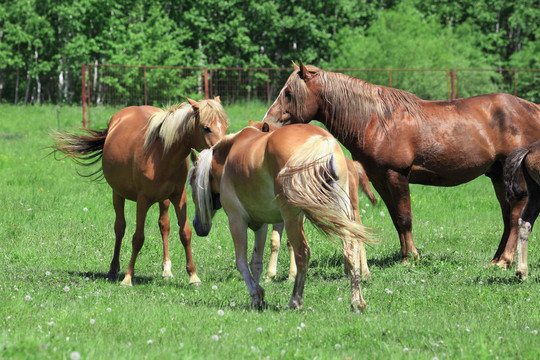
[
  {"x": 401, "y": 139},
  {"x": 524, "y": 160},
  {"x": 357, "y": 179},
  {"x": 276, "y": 177},
  {"x": 144, "y": 158}
]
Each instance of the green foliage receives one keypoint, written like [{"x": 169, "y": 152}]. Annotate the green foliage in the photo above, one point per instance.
[{"x": 56, "y": 241}]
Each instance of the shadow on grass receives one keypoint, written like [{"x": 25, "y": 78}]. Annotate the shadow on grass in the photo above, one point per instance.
[{"x": 143, "y": 280}]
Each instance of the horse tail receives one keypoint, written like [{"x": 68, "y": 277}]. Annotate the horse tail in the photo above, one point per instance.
[
  {"x": 83, "y": 149},
  {"x": 364, "y": 182},
  {"x": 514, "y": 190},
  {"x": 310, "y": 182}
]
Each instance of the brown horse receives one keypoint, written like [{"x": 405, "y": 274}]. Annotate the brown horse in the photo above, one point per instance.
[
  {"x": 357, "y": 178},
  {"x": 144, "y": 153},
  {"x": 524, "y": 160},
  {"x": 277, "y": 177},
  {"x": 401, "y": 139}
]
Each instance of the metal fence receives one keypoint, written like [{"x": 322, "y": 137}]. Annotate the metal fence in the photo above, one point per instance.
[{"x": 124, "y": 85}]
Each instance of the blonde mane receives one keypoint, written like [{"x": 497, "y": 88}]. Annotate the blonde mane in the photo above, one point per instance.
[
  {"x": 201, "y": 185},
  {"x": 179, "y": 121},
  {"x": 352, "y": 102}
]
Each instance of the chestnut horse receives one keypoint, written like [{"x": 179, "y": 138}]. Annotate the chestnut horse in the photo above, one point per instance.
[
  {"x": 401, "y": 139},
  {"x": 144, "y": 153},
  {"x": 357, "y": 178},
  {"x": 284, "y": 176},
  {"x": 524, "y": 160}
]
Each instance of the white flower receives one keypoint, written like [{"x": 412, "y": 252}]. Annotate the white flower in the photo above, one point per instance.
[
  {"x": 382, "y": 213},
  {"x": 163, "y": 330},
  {"x": 221, "y": 312},
  {"x": 259, "y": 329},
  {"x": 303, "y": 325},
  {"x": 214, "y": 287},
  {"x": 66, "y": 288},
  {"x": 92, "y": 321},
  {"x": 85, "y": 209},
  {"x": 48, "y": 273},
  {"x": 337, "y": 346},
  {"x": 27, "y": 298},
  {"x": 149, "y": 342},
  {"x": 215, "y": 337},
  {"x": 51, "y": 323},
  {"x": 339, "y": 299},
  {"x": 388, "y": 291},
  {"x": 534, "y": 332},
  {"x": 75, "y": 355},
  {"x": 406, "y": 349},
  {"x": 109, "y": 309}
]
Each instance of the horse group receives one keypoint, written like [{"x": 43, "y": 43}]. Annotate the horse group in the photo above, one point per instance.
[{"x": 269, "y": 173}]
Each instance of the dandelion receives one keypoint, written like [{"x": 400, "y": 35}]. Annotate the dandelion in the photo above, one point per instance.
[
  {"x": 109, "y": 309},
  {"x": 75, "y": 355},
  {"x": 467, "y": 330},
  {"x": 66, "y": 288},
  {"x": 85, "y": 209},
  {"x": 406, "y": 349},
  {"x": 163, "y": 330},
  {"x": 259, "y": 329},
  {"x": 363, "y": 211},
  {"x": 215, "y": 337},
  {"x": 92, "y": 321},
  {"x": 303, "y": 325},
  {"x": 382, "y": 213},
  {"x": 47, "y": 273},
  {"x": 150, "y": 342},
  {"x": 388, "y": 291},
  {"x": 27, "y": 298},
  {"x": 214, "y": 287},
  {"x": 221, "y": 312},
  {"x": 50, "y": 323},
  {"x": 219, "y": 247},
  {"x": 339, "y": 299},
  {"x": 337, "y": 346},
  {"x": 534, "y": 332}
]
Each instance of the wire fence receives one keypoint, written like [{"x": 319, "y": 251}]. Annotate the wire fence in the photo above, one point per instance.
[{"x": 125, "y": 85}]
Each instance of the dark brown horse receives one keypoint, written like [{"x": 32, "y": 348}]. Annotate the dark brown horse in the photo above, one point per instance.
[
  {"x": 401, "y": 139},
  {"x": 524, "y": 160},
  {"x": 144, "y": 153}
]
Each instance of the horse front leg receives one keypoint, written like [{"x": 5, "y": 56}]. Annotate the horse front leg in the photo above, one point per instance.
[
  {"x": 395, "y": 194},
  {"x": 256, "y": 265},
  {"x": 352, "y": 252},
  {"x": 275, "y": 242},
  {"x": 138, "y": 238},
  {"x": 526, "y": 222},
  {"x": 119, "y": 231},
  {"x": 238, "y": 228},
  {"x": 180, "y": 207},
  {"x": 165, "y": 228}
]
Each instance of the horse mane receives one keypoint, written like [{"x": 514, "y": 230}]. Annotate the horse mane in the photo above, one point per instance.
[
  {"x": 202, "y": 185},
  {"x": 179, "y": 121},
  {"x": 352, "y": 102}
]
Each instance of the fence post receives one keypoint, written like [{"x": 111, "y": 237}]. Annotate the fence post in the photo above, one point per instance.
[
  {"x": 390, "y": 75},
  {"x": 453, "y": 82},
  {"x": 145, "y": 91},
  {"x": 84, "y": 94},
  {"x": 206, "y": 83},
  {"x": 267, "y": 87}
]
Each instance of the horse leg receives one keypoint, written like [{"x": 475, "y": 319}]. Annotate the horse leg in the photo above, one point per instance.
[
  {"x": 138, "y": 239},
  {"x": 396, "y": 196},
  {"x": 238, "y": 230},
  {"x": 294, "y": 225},
  {"x": 119, "y": 231},
  {"x": 352, "y": 252},
  {"x": 256, "y": 265},
  {"x": 526, "y": 222},
  {"x": 275, "y": 242},
  {"x": 180, "y": 207},
  {"x": 292, "y": 267},
  {"x": 504, "y": 256},
  {"x": 165, "y": 228},
  {"x": 361, "y": 246}
]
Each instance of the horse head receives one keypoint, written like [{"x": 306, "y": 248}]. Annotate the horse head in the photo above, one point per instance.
[
  {"x": 211, "y": 120},
  {"x": 299, "y": 101},
  {"x": 206, "y": 200}
]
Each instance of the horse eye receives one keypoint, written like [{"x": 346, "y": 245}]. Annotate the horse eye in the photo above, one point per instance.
[
  {"x": 207, "y": 129},
  {"x": 288, "y": 95}
]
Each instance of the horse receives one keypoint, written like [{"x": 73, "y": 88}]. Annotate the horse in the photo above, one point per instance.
[
  {"x": 144, "y": 158},
  {"x": 401, "y": 139},
  {"x": 357, "y": 179},
  {"x": 283, "y": 176},
  {"x": 525, "y": 160}
]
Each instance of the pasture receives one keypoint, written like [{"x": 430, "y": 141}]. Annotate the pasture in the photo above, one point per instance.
[{"x": 56, "y": 243}]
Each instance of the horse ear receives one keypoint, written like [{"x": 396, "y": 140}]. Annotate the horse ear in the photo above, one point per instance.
[
  {"x": 304, "y": 73},
  {"x": 295, "y": 66},
  {"x": 251, "y": 122},
  {"x": 265, "y": 127},
  {"x": 193, "y": 156},
  {"x": 193, "y": 103},
  {"x": 217, "y": 99}
]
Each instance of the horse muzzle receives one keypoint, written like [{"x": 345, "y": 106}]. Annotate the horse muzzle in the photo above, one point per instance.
[{"x": 200, "y": 229}]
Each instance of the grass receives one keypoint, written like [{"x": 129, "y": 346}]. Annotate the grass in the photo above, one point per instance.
[{"x": 56, "y": 242}]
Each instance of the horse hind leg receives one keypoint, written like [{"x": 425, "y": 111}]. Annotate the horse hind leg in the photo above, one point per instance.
[
  {"x": 275, "y": 242},
  {"x": 352, "y": 252},
  {"x": 525, "y": 224},
  {"x": 180, "y": 207},
  {"x": 294, "y": 226},
  {"x": 119, "y": 231},
  {"x": 258, "y": 251},
  {"x": 165, "y": 228},
  {"x": 138, "y": 239}
]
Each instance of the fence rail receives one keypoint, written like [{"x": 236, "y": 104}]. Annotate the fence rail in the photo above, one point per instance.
[{"x": 124, "y": 85}]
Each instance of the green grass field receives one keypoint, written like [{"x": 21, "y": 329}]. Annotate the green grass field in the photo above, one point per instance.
[{"x": 56, "y": 243}]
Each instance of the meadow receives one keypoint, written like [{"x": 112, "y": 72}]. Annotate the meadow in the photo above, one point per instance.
[{"x": 56, "y": 243}]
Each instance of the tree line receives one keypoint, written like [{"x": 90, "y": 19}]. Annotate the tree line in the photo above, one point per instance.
[{"x": 43, "y": 43}]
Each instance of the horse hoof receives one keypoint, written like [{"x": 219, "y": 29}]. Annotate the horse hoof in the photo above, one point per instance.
[
  {"x": 358, "y": 306},
  {"x": 111, "y": 277},
  {"x": 194, "y": 280},
  {"x": 167, "y": 275},
  {"x": 522, "y": 275}
]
